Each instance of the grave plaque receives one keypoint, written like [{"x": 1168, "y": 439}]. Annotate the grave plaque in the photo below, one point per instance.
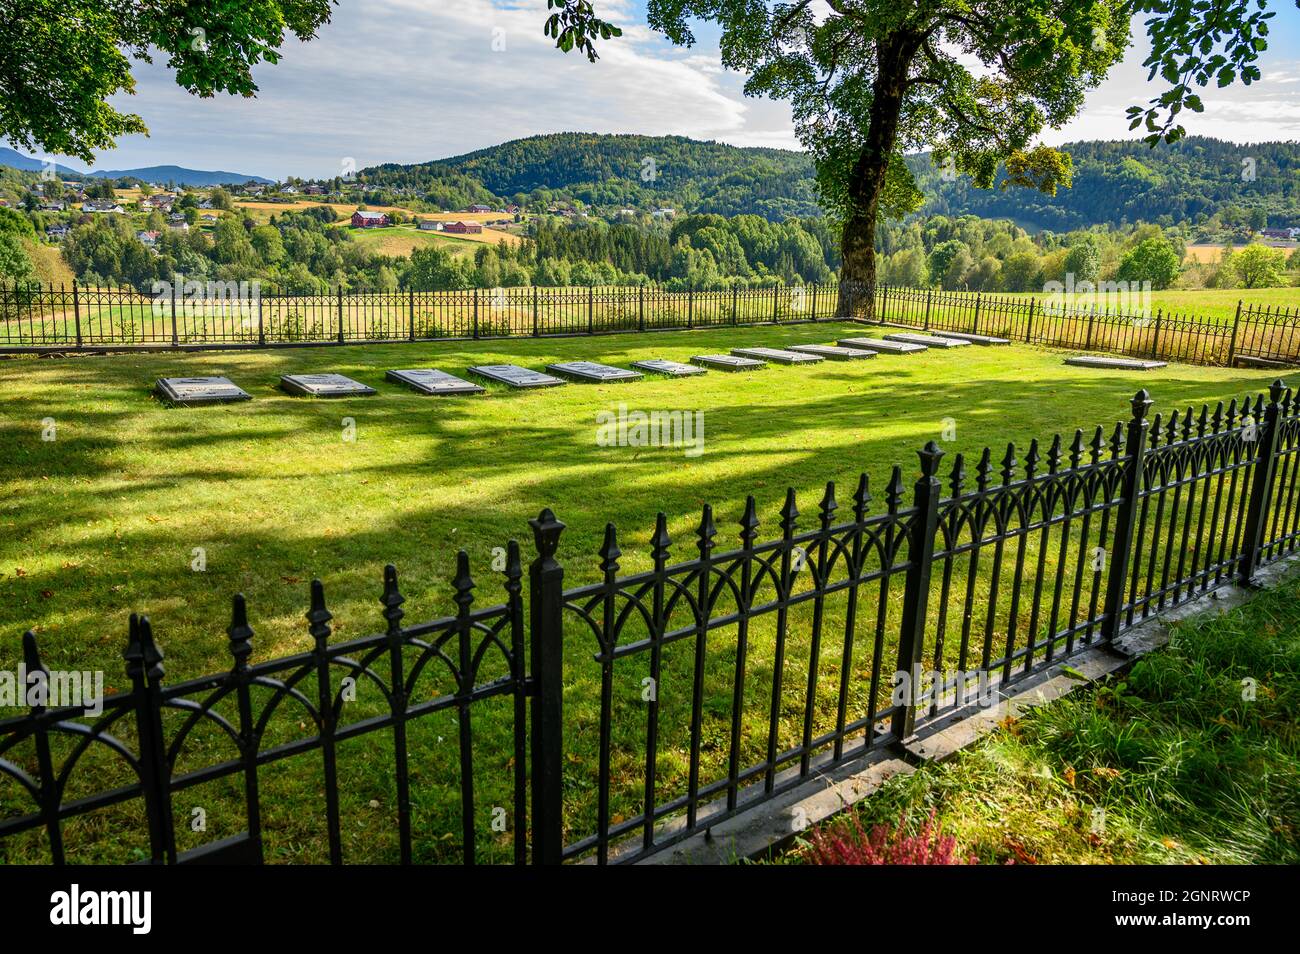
[
  {"x": 515, "y": 376},
  {"x": 728, "y": 362},
  {"x": 324, "y": 385},
  {"x": 1113, "y": 363},
  {"x": 835, "y": 352},
  {"x": 974, "y": 338},
  {"x": 433, "y": 381},
  {"x": 880, "y": 344},
  {"x": 930, "y": 341},
  {"x": 592, "y": 372},
  {"x": 188, "y": 391},
  {"x": 672, "y": 368},
  {"x": 778, "y": 355}
]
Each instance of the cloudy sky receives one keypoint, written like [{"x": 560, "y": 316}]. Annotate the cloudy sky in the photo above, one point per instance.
[{"x": 414, "y": 80}]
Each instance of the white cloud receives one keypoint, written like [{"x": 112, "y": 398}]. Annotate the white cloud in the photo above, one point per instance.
[{"x": 406, "y": 81}]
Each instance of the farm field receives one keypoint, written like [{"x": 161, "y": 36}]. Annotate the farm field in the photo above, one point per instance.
[
  {"x": 401, "y": 240},
  {"x": 267, "y": 209},
  {"x": 1209, "y": 254},
  {"x": 105, "y": 519},
  {"x": 1212, "y": 304}
]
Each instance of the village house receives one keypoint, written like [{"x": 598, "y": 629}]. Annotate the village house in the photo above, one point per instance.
[
  {"x": 57, "y": 231},
  {"x": 314, "y": 189},
  {"x": 429, "y": 225},
  {"x": 52, "y": 207},
  {"x": 289, "y": 190},
  {"x": 1283, "y": 234},
  {"x": 512, "y": 209},
  {"x": 463, "y": 228},
  {"x": 149, "y": 238},
  {"x": 664, "y": 213},
  {"x": 479, "y": 208},
  {"x": 102, "y": 205},
  {"x": 368, "y": 220}
]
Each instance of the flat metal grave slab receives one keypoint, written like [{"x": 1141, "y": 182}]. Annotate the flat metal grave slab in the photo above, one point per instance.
[
  {"x": 674, "y": 369},
  {"x": 592, "y": 372},
  {"x": 188, "y": 391},
  {"x": 728, "y": 362},
  {"x": 777, "y": 355},
  {"x": 930, "y": 341},
  {"x": 880, "y": 344},
  {"x": 974, "y": 338},
  {"x": 433, "y": 381},
  {"x": 515, "y": 376},
  {"x": 1115, "y": 364},
  {"x": 324, "y": 385},
  {"x": 835, "y": 352}
]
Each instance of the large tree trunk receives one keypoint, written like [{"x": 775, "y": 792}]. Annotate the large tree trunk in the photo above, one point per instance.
[{"x": 867, "y": 180}]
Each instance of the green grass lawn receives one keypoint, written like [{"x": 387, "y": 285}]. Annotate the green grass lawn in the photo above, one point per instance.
[
  {"x": 104, "y": 520},
  {"x": 1169, "y": 764}
]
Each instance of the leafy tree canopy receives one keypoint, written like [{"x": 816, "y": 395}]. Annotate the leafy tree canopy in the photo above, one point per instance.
[{"x": 60, "y": 60}]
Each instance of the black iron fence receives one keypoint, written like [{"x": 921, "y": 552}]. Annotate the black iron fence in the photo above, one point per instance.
[
  {"x": 1256, "y": 333},
  {"x": 47, "y": 318},
  {"x": 610, "y": 720}
]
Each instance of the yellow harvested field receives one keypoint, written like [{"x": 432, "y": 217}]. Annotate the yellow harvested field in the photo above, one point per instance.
[
  {"x": 1204, "y": 253},
  {"x": 344, "y": 209},
  {"x": 1211, "y": 253}
]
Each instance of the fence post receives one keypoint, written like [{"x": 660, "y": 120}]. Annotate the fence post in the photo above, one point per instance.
[
  {"x": 175, "y": 338},
  {"x": 690, "y": 308},
  {"x": 735, "y": 302},
  {"x": 536, "y": 328},
  {"x": 929, "y": 296},
  {"x": 776, "y": 304},
  {"x": 261, "y": 327},
  {"x": 1135, "y": 445},
  {"x": 475, "y": 333},
  {"x": 1155, "y": 336},
  {"x": 76, "y": 310},
  {"x": 411, "y": 313},
  {"x": 1232, "y": 345},
  {"x": 144, "y": 669},
  {"x": 814, "y": 301},
  {"x": 340, "y": 314},
  {"x": 1261, "y": 488},
  {"x": 1092, "y": 317},
  {"x": 1029, "y": 322},
  {"x": 591, "y": 306},
  {"x": 640, "y": 307},
  {"x": 916, "y": 596},
  {"x": 975, "y": 325},
  {"x": 546, "y": 634}
]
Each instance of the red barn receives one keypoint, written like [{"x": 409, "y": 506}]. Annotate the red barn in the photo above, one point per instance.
[
  {"x": 463, "y": 228},
  {"x": 368, "y": 220}
]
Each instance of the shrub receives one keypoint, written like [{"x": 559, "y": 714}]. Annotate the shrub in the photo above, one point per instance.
[{"x": 851, "y": 845}]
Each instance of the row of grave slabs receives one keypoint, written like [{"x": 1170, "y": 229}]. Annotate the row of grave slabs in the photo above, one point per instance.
[{"x": 432, "y": 381}]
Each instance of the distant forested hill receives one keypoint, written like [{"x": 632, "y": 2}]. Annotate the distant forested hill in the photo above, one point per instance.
[
  {"x": 1117, "y": 182},
  {"x": 1114, "y": 182},
  {"x": 631, "y": 171}
]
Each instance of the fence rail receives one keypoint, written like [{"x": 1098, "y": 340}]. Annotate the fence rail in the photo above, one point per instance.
[
  {"x": 609, "y": 720},
  {"x": 47, "y": 318}
]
